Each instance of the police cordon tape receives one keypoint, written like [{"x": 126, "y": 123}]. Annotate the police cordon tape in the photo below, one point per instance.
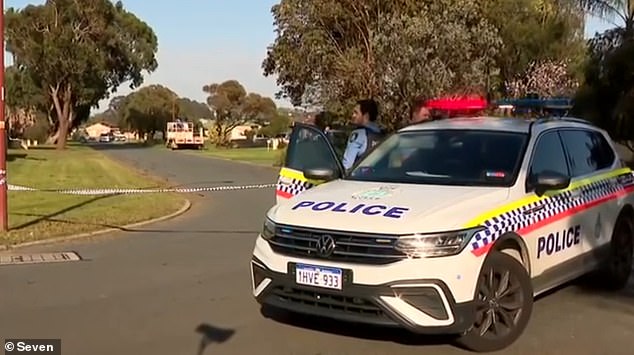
[{"x": 140, "y": 191}]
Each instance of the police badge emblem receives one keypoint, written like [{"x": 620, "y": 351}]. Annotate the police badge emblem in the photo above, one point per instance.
[{"x": 375, "y": 193}]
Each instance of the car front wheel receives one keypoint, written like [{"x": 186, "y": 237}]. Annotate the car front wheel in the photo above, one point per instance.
[
  {"x": 618, "y": 267},
  {"x": 504, "y": 303}
]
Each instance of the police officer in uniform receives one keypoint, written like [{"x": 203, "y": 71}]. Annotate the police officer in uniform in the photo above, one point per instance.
[
  {"x": 367, "y": 133},
  {"x": 419, "y": 112}
]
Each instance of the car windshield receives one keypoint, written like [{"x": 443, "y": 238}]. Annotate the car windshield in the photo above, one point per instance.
[{"x": 445, "y": 157}]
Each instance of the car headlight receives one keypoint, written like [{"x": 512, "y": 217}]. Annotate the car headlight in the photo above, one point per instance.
[
  {"x": 427, "y": 245},
  {"x": 268, "y": 229}
]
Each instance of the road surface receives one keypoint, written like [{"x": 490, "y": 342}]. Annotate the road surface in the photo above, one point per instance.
[{"x": 175, "y": 286}]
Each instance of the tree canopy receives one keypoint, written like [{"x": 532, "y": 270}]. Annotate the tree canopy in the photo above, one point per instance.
[
  {"x": 328, "y": 53},
  {"x": 71, "y": 54},
  {"x": 77, "y": 52},
  {"x": 232, "y": 106},
  {"x": 148, "y": 109},
  {"x": 192, "y": 109},
  {"x": 607, "y": 94}
]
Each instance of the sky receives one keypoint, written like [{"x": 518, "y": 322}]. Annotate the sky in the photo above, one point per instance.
[{"x": 210, "y": 41}]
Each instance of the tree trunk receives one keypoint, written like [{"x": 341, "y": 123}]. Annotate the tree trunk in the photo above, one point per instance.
[
  {"x": 63, "y": 134},
  {"x": 64, "y": 112},
  {"x": 219, "y": 139},
  {"x": 53, "y": 138}
]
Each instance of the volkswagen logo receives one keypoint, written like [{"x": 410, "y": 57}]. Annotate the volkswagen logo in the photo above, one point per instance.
[{"x": 325, "y": 245}]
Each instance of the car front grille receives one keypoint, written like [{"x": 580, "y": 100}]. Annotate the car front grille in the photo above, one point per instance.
[
  {"x": 349, "y": 246},
  {"x": 330, "y": 302}
]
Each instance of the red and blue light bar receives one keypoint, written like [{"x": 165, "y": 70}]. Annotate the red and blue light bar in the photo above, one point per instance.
[
  {"x": 457, "y": 104},
  {"x": 453, "y": 106},
  {"x": 450, "y": 107}
]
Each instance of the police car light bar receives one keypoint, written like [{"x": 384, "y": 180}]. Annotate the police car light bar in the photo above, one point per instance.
[
  {"x": 457, "y": 104},
  {"x": 552, "y": 103}
]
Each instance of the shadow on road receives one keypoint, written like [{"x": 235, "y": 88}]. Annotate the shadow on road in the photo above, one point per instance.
[
  {"x": 592, "y": 285},
  {"x": 367, "y": 332},
  {"x": 51, "y": 216},
  {"x": 212, "y": 334}
]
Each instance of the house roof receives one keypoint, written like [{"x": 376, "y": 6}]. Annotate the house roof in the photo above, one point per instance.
[{"x": 103, "y": 124}]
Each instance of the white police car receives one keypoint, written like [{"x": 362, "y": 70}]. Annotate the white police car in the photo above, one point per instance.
[{"x": 450, "y": 226}]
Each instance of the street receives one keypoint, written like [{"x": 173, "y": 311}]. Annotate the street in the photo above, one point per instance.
[{"x": 166, "y": 288}]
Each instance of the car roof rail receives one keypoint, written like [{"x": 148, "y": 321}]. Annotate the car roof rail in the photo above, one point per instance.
[
  {"x": 529, "y": 104},
  {"x": 533, "y": 102},
  {"x": 559, "y": 108},
  {"x": 551, "y": 118}
]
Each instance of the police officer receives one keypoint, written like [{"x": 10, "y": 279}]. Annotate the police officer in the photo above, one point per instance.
[
  {"x": 367, "y": 133},
  {"x": 321, "y": 121},
  {"x": 419, "y": 113}
]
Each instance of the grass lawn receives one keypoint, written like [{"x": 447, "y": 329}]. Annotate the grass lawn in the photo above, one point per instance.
[
  {"x": 251, "y": 155},
  {"x": 41, "y": 215}
]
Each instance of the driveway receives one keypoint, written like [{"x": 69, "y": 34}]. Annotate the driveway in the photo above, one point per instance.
[{"x": 175, "y": 286}]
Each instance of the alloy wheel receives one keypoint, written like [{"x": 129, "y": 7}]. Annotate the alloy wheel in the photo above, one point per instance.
[{"x": 499, "y": 304}]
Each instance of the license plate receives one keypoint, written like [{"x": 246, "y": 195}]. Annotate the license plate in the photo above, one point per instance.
[{"x": 318, "y": 276}]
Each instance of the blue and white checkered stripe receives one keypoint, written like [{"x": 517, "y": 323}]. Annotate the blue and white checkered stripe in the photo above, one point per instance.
[
  {"x": 292, "y": 186},
  {"x": 535, "y": 212}
]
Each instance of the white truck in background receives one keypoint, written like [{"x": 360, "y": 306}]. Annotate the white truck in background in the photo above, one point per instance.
[{"x": 181, "y": 135}]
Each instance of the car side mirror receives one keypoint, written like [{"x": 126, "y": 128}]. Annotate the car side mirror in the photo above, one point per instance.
[
  {"x": 320, "y": 174},
  {"x": 549, "y": 180}
]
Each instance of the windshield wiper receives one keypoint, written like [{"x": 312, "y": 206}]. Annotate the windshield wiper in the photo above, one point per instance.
[{"x": 424, "y": 174}]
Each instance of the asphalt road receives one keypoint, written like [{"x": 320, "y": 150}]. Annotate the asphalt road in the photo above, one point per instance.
[{"x": 169, "y": 287}]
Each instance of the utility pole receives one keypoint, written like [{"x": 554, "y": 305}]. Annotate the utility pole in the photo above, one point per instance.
[{"x": 4, "y": 212}]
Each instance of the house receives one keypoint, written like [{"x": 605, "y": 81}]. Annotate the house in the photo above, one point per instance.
[
  {"x": 239, "y": 132},
  {"x": 97, "y": 129}
]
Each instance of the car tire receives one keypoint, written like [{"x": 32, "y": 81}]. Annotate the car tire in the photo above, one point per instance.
[
  {"x": 514, "y": 307},
  {"x": 618, "y": 266}
]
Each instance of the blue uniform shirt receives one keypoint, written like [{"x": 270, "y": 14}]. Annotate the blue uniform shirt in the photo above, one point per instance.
[{"x": 357, "y": 144}]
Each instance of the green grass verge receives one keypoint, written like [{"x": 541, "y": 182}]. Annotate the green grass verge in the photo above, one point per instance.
[{"x": 41, "y": 215}]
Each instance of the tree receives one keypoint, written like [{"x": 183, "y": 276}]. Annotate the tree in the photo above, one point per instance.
[
  {"x": 547, "y": 78},
  {"x": 609, "y": 10},
  {"x": 532, "y": 32},
  {"x": 116, "y": 103},
  {"x": 602, "y": 44},
  {"x": 232, "y": 107},
  {"x": 278, "y": 125},
  {"x": 193, "y": 109},
  {"x": 330, "y": 52},
  {"x": 259, "y": 109},
  {"x": 23, "y": 101},
  {"x": 148, "y": 109},
  {"x": 113, "y": 115},
  {"x": 78, "y": 52},
  {"x": 607, "y": 93}
]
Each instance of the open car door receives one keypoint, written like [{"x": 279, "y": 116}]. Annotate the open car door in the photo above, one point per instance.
[{"x": 309, "y": 148}]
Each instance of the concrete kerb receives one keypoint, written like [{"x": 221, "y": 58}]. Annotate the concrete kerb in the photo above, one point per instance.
[{"x": 186, "y": 206}]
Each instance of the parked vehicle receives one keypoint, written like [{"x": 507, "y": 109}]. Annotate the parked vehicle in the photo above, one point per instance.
[{"x": 451, "y": 226}]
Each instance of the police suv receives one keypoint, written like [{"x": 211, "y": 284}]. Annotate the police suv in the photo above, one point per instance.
[{"x": 447, "y": 227}]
